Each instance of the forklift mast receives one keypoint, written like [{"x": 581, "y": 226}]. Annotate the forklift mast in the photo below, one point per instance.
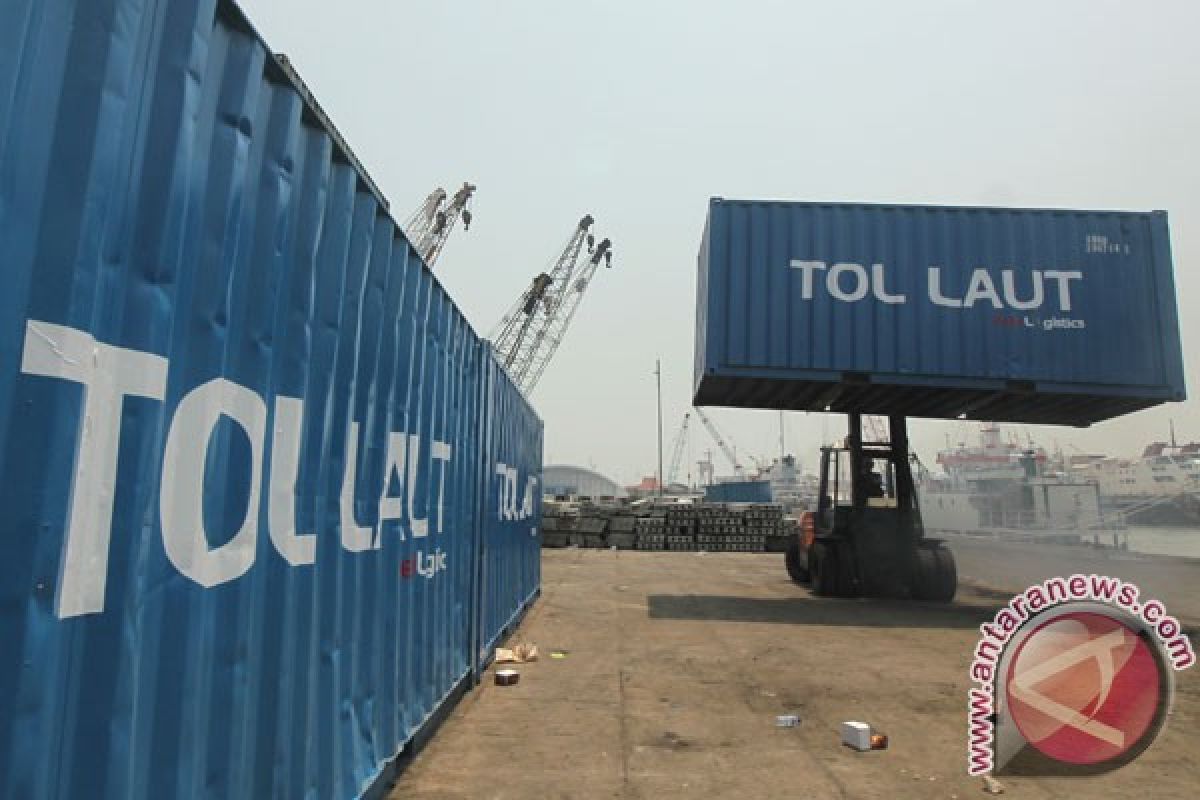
[
  {"x": 895, "y": 451},
  {"x": 862, "y": 454}
]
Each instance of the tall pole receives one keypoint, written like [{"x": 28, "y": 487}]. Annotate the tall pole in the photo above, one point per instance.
[
  {"x": 782, "y": 447},
  {"x": 658, "y": 380},
  {"x": 691, "y": 486}
]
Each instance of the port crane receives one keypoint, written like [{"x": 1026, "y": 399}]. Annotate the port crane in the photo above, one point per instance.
[
  {"x": 529, "y": 334},
  {"x": 677, "y": 446},
  {"x": 430, "y": 225},
  {"x": 729, "y": 452}
]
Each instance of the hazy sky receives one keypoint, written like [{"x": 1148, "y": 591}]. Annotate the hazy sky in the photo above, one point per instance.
[{"x": 638, "y": 112}]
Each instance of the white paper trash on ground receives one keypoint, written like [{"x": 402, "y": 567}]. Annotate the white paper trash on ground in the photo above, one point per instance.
[{"x": 856, "y": 735}]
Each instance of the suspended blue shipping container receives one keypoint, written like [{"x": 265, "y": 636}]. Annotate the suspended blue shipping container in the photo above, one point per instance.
[
  {"x": 1050, "y": 316},
  {"x": 262, "y": 484}
]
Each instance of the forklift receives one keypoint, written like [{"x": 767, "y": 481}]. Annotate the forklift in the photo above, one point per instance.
[{"x": 865, "y": 537}]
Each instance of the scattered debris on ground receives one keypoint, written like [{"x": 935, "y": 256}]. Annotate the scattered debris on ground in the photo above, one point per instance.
[
  {"x": 520, "y": 654},
  {"x": 992, "y": 786},
  {"x": 673, "y": 741},
  {"x": 856, "y": 735},
  {"x": 507, "y": 677},
  {"x": 712, "y": 650}
]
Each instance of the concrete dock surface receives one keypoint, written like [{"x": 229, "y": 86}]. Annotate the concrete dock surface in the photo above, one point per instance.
[{"x": 677, "y": 665}]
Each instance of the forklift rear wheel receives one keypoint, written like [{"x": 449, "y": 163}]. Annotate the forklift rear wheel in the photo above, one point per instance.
[
  {"x": 797, "y": 573},
  {"x": 935, "y": 578}
]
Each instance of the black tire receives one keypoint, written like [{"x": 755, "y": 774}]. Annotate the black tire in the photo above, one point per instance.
[
  {"x": 924, "y": 565},
  {"x": 935, "y": 578},
  {"x": 823, "y": 563},
  {"x": 792, "y": 558},
  {"x": 833, "y": 570},
  {"x": 946, "y": 576}
]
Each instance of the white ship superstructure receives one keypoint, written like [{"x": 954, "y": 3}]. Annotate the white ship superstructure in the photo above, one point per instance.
[{"x": 1160, "y": 487}]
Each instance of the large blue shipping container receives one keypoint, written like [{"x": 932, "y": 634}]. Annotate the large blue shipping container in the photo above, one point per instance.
[
  {"x": 262, "y": 484},
  {"x": 512, "y": 563},
  {"x": 1046, "y": 316}
]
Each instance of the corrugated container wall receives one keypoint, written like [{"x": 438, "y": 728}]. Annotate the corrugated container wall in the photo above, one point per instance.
[
  {"x": 1064, "y": 317},
  {"x": 513, "y": 509},
  {"x": 250, "y": 449}
]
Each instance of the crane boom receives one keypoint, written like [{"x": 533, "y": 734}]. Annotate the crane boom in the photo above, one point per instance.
[
  {"x": 515, "y": 334},
  {"x": 514, "y": 327},
  {"x": 677, "y": 450},
  {"x": 547, "y": 340},
  {"x": 430, "y": 225},
  {"x": 528, "y": 335},
  {"x": 720, "y": 440}
]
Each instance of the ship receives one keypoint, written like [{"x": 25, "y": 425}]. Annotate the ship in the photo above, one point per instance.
[
  {"x": 1161, "y": 488},
  {"x": 1001, "y": 488},
  {"x": 790, "y": 487},
  {"x": 780, "y": 481}
]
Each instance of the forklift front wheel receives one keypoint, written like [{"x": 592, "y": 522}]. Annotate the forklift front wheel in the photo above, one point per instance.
[
  {"x": 828, "y": 571},
  {"x": 792, "y": 558}
]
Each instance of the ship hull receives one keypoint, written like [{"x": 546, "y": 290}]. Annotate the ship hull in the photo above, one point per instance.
[
  {"x": 1176, "y": 512},
  {"x": 1060, "y": 514}
]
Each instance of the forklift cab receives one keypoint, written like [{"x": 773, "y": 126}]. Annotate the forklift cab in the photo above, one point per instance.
[
  {"x": 866, "y": 536},
  {"x": 871, "y": 483}
]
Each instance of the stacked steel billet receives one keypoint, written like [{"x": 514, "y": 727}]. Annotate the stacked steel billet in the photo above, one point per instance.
[
  {"x": 552, "y": 536},
  {"x": 681, "y": 528},
  {"x": 620, "y": 532},
  {"x": 711, "y": 527},
  {"x": 777, "y": 540},
  {"x": 719, "y": 528},
  {"x": 764, "y": 523},
  {"x": 651, "y": 532},
  {"x": 567, "y": 526},
  {"x": 591, "y": 530}
]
